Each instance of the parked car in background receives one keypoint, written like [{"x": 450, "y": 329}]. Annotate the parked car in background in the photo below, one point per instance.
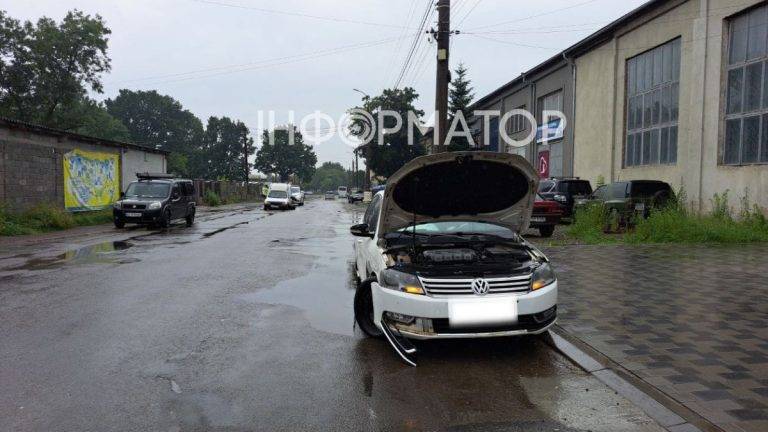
[
  {"x": 628, "y": 200},
  {"x": 297, "y": 195},
  {"x": 155, "y": 199},
  {"x": 330, "y": 195},
  {"x": 356, "y": 195},
  {"x": 546, "y": 215},
  {"x": 279, "y": 197},
  {"x": 565, "y": 191},
  {"x": 341, "y": 192}
]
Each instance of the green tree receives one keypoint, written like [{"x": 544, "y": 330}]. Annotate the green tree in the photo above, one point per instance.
[
  {"x": 460, "y": 96},
  {"x": 329, "y": 176},
  {"x": 160, "y": 121},
  {"x": 97, "y": 122},
  {"x": 47, "y": 68},
  {"x": 384, "y": 158},
  {"x": 279, "y": 156},
  {"x": 224, "y": 149}
]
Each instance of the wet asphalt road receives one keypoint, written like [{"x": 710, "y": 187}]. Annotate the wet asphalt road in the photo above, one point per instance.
[{"x": 244, "y": 322}]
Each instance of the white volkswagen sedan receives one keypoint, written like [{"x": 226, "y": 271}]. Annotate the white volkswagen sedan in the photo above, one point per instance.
[{"x": 439, "y": 253}]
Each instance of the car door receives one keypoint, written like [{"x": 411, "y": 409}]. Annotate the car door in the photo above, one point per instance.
[
  {"x": 177, "y": 202},
  {"x": 363, "y": 244}
]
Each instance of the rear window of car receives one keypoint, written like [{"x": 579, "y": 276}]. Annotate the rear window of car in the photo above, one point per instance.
[
  {"x": 575, "y": 187},
  {"x": 616, "y": 190},
  {"x": 648, "y": 189},
  {"x": 546, "y": 186}
]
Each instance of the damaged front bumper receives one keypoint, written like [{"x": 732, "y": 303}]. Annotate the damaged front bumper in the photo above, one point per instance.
[{"x": 426, "y": 317}]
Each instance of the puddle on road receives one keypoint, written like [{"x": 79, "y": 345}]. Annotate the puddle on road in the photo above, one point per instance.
[
  {"x": 326, "y": 293},
  {"x": 92, "y": 254}
]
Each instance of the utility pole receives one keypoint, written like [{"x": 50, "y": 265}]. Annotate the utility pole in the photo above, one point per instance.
[{"x": 442, "y": 35}]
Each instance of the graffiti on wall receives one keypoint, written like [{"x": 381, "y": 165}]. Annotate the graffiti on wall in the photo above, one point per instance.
[{"x": 91, "y": 180}]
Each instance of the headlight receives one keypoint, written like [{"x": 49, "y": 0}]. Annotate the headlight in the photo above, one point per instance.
[
  {"x": 542, "y": 276},
  {"x": 155, "y": 205},
  {"x": 399, "y": 281},
  {"x": 118, "y": 205},
  {"x": 560, "y": 198}
]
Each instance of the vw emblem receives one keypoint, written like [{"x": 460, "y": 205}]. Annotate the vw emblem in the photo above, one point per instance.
[{"x": 480, "y": 286}]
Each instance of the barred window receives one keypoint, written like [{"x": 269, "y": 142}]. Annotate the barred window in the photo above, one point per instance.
[
  {"x": 518, "y": 121},
  {"x": 746, "y": 103},
  {"x": 653, "y": 87}
]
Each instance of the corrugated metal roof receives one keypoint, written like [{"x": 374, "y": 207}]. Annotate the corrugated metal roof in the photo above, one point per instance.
[{"x": 44, "y": 130}]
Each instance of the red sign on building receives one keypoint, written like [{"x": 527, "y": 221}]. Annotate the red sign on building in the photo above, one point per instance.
[{"x": 544, "y": 164}]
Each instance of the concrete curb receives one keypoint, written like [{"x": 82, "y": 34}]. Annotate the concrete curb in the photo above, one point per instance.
[{"x": 667, "y": 412}]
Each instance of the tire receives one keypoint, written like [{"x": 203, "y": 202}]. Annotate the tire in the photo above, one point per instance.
[
  {"x": 364, "y": 309},
  {"x": 266, "y": 207},
  {"x": 190, "y": 219},
  {"x": 546, "y": 230},
  {"x": 165, "y": 222},
  {"x": 119, "y": 224}
]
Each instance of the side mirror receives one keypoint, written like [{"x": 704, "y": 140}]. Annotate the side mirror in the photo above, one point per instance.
[
  {"x": 175, "y": 196},
  {"x": 361, "y": 230},
  {"x": 122, "y": 195}
]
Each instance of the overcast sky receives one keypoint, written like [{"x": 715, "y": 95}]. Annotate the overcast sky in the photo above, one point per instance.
[{"x": 237, "y": 57}]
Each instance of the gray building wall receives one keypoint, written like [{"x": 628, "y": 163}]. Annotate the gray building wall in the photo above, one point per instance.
[
  {"x": 31, "y": 164},
  {"x": 524, "y": 92},
  {"x": 134, "y": 161}
]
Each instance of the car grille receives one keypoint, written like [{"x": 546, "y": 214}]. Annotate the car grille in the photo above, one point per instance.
[
  {"x": 134, "y": 206},
  {"x": 497, "y": 285}
]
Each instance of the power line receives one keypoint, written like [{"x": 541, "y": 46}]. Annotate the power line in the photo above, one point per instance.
[
  {"x": 411, "y": 13},
  {"x": 242, "y": 65},
  {"x": 417, "y": 38},
  {"x": 297, "y": 14},
  {"x": 536, "y": 15},
  {"x": 289, "y": 60},
  {"x": 469, "y": 13}
]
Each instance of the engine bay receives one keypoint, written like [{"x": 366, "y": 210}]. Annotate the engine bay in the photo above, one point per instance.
[{"x": 469, "y": 256}]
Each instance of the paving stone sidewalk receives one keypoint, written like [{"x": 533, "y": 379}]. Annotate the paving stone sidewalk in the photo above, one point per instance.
[{"x": 690, "y": 320}]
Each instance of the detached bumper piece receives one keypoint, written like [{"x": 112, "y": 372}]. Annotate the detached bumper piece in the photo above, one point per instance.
[{"x": 402, "y": 346}]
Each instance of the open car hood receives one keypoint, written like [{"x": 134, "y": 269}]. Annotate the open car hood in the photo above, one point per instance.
[{"x": 491, "y": 187}]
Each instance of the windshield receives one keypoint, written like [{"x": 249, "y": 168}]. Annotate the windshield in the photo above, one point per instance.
[
  {"x": 460, "y": 228},
  {"x": 342, "y": 189},
  {"x": 295, "y": 189},
  {"x": 278, "y": 194},
  {"x": 147, "y": 190}
]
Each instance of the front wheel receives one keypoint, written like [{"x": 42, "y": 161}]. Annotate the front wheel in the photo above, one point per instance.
[
  {"x": 119, "y": 224},
  {"x": 165, "y": 221},
  {"x": 190, "y": 219},
  {"x": 546, "y": 230},
  {"x": 364, "y": 309}
]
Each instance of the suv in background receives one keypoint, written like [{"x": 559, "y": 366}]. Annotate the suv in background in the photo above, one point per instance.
[
  {"x": 155, "y": 199},
  {"x": 566, "y": 191},
  {"x": 354, "y": 196},
  {"x": 627, "y": 199},
  {"x": 297, "y": 195}
]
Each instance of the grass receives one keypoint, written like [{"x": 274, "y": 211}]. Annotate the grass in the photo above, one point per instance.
[
  {"x": 212, "y": 199},
  {"x": 675, "y": 224},
  {"x": 45, "y": 218}
]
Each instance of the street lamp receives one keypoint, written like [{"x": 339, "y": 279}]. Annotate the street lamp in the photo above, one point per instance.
[{"x": 367, "y": 96}]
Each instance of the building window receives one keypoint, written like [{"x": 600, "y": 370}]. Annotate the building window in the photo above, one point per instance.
[
  {"x": 746, "y": 103},
  {"x": 653, "y": 93},
  {"x": 550, "y": 102},
  {"x": 518, "y": 121}
]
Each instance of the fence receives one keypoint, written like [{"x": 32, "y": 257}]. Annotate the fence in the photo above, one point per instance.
[{"x": 228, "y": 191}]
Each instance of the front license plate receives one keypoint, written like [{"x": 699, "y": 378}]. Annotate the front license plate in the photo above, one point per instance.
[
  {"x": 482, "y": 312},
  {"x": 133, "y": 215},
  {"x": 538, "y": 219}
]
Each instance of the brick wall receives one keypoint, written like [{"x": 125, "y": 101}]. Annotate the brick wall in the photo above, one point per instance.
[{"x": 30, "y": 174}]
